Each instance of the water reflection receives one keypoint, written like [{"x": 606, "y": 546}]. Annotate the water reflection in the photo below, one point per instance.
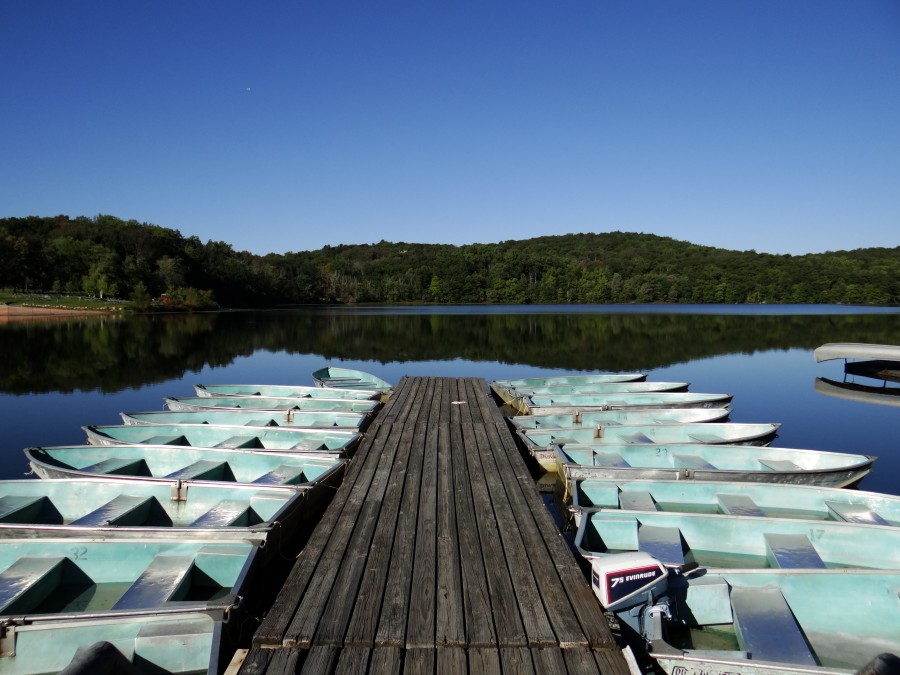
[
  {"x": 861, "y": 393},
  {"x": 112, "y": 355},
  {"x": 56, "y": 377}
]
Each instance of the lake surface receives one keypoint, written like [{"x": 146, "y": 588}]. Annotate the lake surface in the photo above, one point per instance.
[{"x": 56, "y": 377}]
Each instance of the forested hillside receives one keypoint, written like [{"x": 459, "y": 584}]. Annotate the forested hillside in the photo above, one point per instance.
[{"x": 106, "y": 256}]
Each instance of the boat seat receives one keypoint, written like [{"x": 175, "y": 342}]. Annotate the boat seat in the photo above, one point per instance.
[
  {"x": 227, "y": 513},
  {"x": 167, "y": 578},
  {"x": 28, "y": 582},
  {"x": 791, "y": 551},
  {"x": 691, "y": 462},
  {"x": 854, "y": 513},
  {"x": 203, "y": 469},
  {"x": 261, "y": 422},
  {"x": 779, "y": 465},
  {"x": 240, "y": 442},
  {"x": 21, "y": 509},
  {"x": 767, "y": 629},
  {"x": 123, "y": 510},
  {"x": 703, "y": 437},
  {"x": 636, "y": 437},
  {"x": 166, "y": 440},
  {"x": 125, "y": 466},
  {"x": 663, "y": 543},
  {"x": 304, "y": 445},
  {"x": 739, "y": 505},
  {"x": 282, "y": 475},
  {"x": 610, "y": 460},
  {"x": 637, "y": 500}
]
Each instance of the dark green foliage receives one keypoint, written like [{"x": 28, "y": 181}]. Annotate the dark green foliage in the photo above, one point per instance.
[{"x": 108, "y": 256}]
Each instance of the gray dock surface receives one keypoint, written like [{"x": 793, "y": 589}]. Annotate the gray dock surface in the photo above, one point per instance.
[{"x": 437, "y": 555}]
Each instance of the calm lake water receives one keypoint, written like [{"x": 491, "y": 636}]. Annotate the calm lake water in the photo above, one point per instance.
[{"x": 56, "y": 377}]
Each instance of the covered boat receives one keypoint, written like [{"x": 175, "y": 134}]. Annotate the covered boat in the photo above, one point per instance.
[
  {"x": 591, "y": 418},
  {"x": 251, "y": 418},
  {"x": 572, "y": 403},
  {"x": 283, "y": 391},
  {"x": 271, "y": 404},
  {"x": 348, "y": 378},
  {"x": 177, "y": 466},
  {"x": 753, "y": 542},
  {"x": 337, "y": 441},
  {"x": 713, "y": 462},
  {"x": 736, "y": 498},
  {"x": 542, "y": 442},
  {"x": 164, "y": 605},
  {"x": 754, "y": 622}
]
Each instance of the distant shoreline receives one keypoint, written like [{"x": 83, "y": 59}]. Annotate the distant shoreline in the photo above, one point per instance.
[{"x": 22, "y": 313}]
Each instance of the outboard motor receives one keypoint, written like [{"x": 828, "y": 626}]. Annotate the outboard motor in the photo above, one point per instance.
[{"x": 635, "y": 586}]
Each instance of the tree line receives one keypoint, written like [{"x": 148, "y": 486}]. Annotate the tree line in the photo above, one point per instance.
[{"x": 105, "y": 256}]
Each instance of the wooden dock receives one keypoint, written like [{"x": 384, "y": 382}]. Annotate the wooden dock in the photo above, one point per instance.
[{"x": 437, "y": 555}]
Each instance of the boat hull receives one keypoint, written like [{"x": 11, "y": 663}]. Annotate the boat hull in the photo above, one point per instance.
[{"x": 740, "y": 464}]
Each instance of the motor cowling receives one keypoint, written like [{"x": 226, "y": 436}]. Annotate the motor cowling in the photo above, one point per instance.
[{"x": 624, "y": 580}]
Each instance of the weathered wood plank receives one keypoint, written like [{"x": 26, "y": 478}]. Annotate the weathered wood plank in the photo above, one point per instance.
[
  {"x": 318, "y": 660},
  {"x": 385, "y": 661},
  {"x": 353, "y": 661},
  {"x": 510, "y": 631},
  {"x": 549, "y": 661},
  {"x": 419, "y": 662},
  {"x": 450, "y": 660},
  {"x": 421, "y": 621},
  {"x": 449, "y": 614},
  {"x": 367, "y": 608},
  {"x": 545, "y": 578},
  {"x": 479, "y": 617},
  {"x": 484, "y": 661},
  {"x": 516, "y": 661},
  {"x": 392, "y": 622},
  {"x": 509, "y": 523},
  {"x": 271, "y": 631}
]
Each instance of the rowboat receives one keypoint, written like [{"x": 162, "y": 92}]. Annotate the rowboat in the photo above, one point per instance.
[
  {"x": 336, "y": 441},
  {"x": 740, "y": 542},
  {"x": 591, "y": 418},
  {"x": 177, "y": 606},
  {"x": 284, "y": 391},
  {"x": 542, "y": 442},
  {"x": 518, "y": 397},
  {"x": 251, "y": 418},
  {"x": 177, "y": 466},
  {"x": 588, "y": 378},
  {"x": 504, "y": 389},
  {"x": 572, "y": 403},
  {"x": 348, "y": 378},
  {"x": 745, "y": 464},
  {"x": 271, "y": 404},
  {"x": 860, "y": 393},
  {"x": 134, "y": 509},
  {"x": 733, "y": 498},
  {"x": 755, "y": 622}
]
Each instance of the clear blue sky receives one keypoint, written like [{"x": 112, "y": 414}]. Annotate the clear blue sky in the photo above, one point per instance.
[{"x": 283, "y": 126}]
